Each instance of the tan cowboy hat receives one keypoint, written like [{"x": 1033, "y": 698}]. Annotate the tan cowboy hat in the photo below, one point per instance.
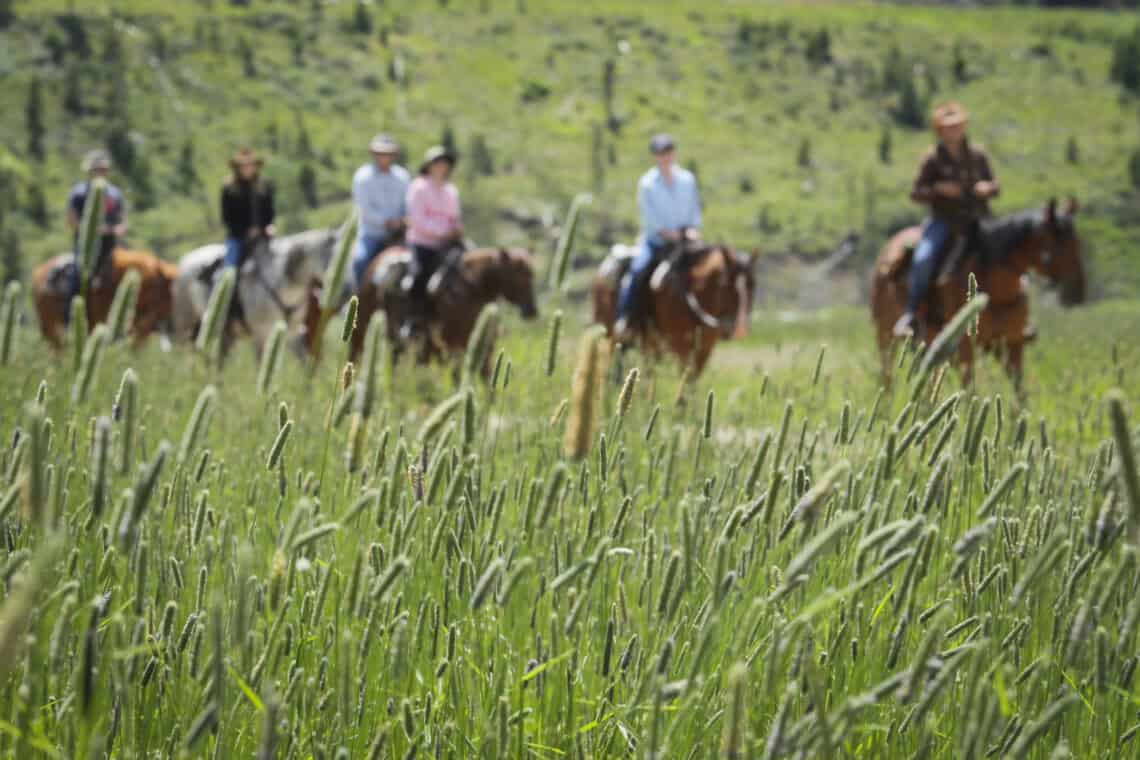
[
  {"x": 96, "y": 159},
  {"x": 437, "y": 153},
  {"x": 245, "y": 156},
  {"x": 383, "y": 144},
  {"x": 948, "y": 115}
]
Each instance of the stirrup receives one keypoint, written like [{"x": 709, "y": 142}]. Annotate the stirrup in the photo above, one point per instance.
[{"x": 906, "y": 326}]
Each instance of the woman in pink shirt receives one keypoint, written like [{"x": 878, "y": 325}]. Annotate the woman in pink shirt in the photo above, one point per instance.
[{"x": 434, "y": 224}]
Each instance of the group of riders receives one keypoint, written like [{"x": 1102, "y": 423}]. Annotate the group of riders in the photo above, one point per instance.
[{"x": 954, "y": 181}]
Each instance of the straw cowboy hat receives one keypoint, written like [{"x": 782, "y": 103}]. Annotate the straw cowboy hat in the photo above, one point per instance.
[
  {"x": 96, "y": 159},
  {"x": 383, "y": 144},
  {"x": 948, "y": 115},
  {"x": 245, "y": 156},
  {"x": 437, "y": 153}
]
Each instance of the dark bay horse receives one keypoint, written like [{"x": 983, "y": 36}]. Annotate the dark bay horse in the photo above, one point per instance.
[
  {"x": 1039, "y": 240},
  {"x": 459, "y": 293},
  {"x": 689, "y": 310},
  {"x": 153, "y": 307}
]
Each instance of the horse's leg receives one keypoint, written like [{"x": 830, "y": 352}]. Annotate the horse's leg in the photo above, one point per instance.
[
  {"x": 703, "y": 351},
  {"x": 1014, "y": 359}
]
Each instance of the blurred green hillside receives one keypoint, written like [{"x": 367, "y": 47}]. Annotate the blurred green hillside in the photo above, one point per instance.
[{"x": 803, "y": 122}]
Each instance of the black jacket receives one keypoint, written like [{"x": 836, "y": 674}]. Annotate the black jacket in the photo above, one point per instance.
[{"x": 245, "y": 205}]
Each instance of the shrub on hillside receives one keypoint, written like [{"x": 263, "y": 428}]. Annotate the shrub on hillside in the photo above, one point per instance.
[
  {"x": 1125, "y": 68},
  {"x": 818, "y": 48},
  {"x": 534, "y": 90},
  {"x": 1134, "y": 168}
]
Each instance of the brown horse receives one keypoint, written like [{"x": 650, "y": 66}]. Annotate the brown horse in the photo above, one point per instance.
[
  {"x": 689, "y": 310},
  {"x": 1040, "y": 240},
  {"x": 480, "y": 277},
  {"x": 154, "y": 305}
]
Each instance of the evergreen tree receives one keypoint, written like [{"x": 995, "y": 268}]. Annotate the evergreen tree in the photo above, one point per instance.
[
  {"x": 11, "y": 257},
  {"x": 447, "y": 139},
  {"x": 186, "y": 173},
  {"x": 1072, "y": 151},
  {"x": 361, "y": 19},
  {"x": 958, "y": 65},
  {"x": 73, "y": 91},
  {"x": 818, "y": 48},
  {"x": 7, "y": 13},
  {"x": 480, "y": 160},
  {"x": 36, "y": 206},
  {"x": 307, "y": 183},
  {"x": 1125, "y": 68},
  {"x": 33, "y": 117},
  {"x": 803, "y": 155},
  {"x": 1134, "y": 168},
  {"x": 248, "y": 63}
]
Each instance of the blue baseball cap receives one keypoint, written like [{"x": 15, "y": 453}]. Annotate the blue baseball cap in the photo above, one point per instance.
[{"x": 661, "y": 143}]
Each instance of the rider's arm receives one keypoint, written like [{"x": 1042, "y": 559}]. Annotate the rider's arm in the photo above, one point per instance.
[
  {"x": 74, "y": 210},
  {"x": 923, "y": 190},
  {"x": 650, "y": 223},
  {"x": 986, "y": 174},
  {"x": 269, "y": 212},
  {"x": 229, "y": 211}
]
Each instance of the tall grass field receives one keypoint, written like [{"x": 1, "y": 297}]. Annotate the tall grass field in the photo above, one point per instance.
[{"x": 779, "y": 559}]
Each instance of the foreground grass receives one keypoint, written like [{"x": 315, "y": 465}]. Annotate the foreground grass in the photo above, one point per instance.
[{"x": 786, "y": 561}]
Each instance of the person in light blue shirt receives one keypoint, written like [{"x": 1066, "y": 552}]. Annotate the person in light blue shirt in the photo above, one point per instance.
[
  {"x": 378, "y": 190},
  {"x": 670, "y": 210}
]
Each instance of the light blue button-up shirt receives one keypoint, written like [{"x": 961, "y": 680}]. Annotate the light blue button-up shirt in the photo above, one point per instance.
[
  {"x": 667, "y": 206},
  {"x": 379, "y": 196}
]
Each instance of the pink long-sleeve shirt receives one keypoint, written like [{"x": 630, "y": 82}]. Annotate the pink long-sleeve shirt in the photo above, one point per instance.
[{"x": 433, "y": 212}]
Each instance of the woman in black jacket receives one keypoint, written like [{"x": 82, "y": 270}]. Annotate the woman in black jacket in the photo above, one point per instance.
[{"x": 247, "y": 206}]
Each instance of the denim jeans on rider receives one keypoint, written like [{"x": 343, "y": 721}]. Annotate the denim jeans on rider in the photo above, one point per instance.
[
  {"x": 233, "y": 253},
  {"x": 365, "y": 250},
  {"x": 646, "y": 253},
  {"x": 927, "y": 255}
]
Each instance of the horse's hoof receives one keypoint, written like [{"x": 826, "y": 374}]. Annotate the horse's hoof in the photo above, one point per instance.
[{"x": 1029, "y": 334}]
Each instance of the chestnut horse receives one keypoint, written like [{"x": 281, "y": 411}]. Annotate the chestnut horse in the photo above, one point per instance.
[
  {"x": 1040, "y": 240},
  {"x": 689, "y": 310},
  {"x": 51, "y": 293},
  {"x": 459, "y": 293}
]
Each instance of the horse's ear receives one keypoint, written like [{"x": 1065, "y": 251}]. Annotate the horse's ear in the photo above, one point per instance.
[
  {"x": 1051, "y": 211},
  {"x": 1071, "y": 207}
]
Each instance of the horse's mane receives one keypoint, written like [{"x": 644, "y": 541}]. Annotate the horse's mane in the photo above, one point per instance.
[{"x": 1004, "y": 234}]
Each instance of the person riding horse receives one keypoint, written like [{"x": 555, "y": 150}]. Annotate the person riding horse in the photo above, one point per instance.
[
  {"x": 97, "y": 165},
  {"x": 247, "y": 213},
  {"x": 670, "y": 209},
  {"x": 379, "y": 191},
  {"x": 955, "y": 180},
  {"x": 435, "y": 230}
]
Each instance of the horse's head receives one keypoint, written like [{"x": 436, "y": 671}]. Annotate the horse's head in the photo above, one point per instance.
[
  {"x": 1061, "y": 261},
  {"x": 515, "y": 279},
  {"x": 743, "y": 281}
]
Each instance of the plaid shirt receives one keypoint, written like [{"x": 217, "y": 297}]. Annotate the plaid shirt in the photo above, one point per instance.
[{"x": 939, "y": 166}]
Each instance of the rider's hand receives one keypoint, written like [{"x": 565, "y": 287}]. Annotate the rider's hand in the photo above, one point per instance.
[
  {"x": 948, "y": 189},
  {"x": 985, "y": 189},
  {"x": 119, "y": 229},
  {"x": 251, "y": 233},
  {"x": 271, "y": 230},
  {"x": 692, "y": 233},
  {"x": 394, "y": 224},
  {"x": 670, "y": 235}
]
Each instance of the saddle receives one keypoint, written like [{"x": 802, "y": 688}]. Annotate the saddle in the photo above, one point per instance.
[{"x": 667, "y": 270}]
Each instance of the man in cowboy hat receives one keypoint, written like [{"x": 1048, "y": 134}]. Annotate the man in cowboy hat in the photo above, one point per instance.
[
  {"x": 955, "y": 181},
  {"x": 247, "y": 206},
  {"x": 670, "y": 210},
  {"x": 435, "y": 226},
  {"x": 97, "y": 165},
  {"x": 379, "y": 190}
]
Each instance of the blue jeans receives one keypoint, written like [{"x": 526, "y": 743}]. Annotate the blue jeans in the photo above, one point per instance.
[
  {"x": 927, "y": 258},
  {"x": 234, "y": 253},
  {"x": 365, "y": 250},
  {"x": 647, "y": 253}
]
